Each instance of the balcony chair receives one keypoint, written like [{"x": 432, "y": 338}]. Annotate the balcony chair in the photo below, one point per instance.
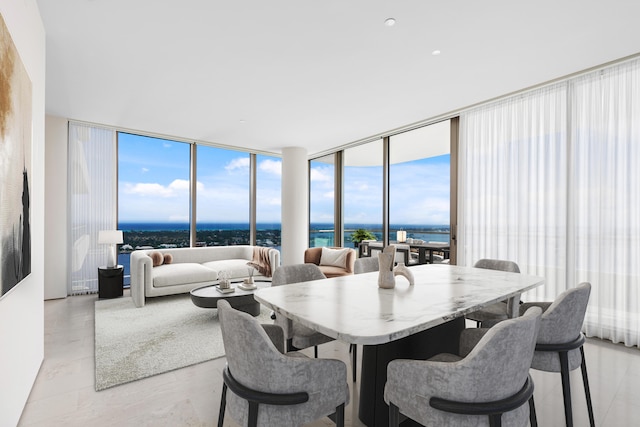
[
  {"x": 403, "y": 253},
  {"x": 269, "y": 388},
  {"x": 489, "y": 385},
  {"x": 500, "y": 310}
]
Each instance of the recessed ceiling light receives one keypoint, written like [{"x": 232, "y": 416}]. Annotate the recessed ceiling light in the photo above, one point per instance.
[
  {"x": 243, "y": 121},
  {"x": 389, "y": 22},
  {"x": 435, "y": 52}
]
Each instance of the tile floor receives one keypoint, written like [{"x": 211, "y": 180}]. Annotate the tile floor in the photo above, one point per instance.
[{"x": 64, "y": 394}]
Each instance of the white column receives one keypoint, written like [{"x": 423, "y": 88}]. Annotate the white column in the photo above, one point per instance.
[{"x": 295, "y": 205}]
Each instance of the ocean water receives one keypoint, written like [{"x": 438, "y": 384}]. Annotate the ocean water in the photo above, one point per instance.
[{"x": 319, "y": 234}]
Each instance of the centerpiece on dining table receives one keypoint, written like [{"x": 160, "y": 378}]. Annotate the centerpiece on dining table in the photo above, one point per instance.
[{"x": 387, "y": 273}]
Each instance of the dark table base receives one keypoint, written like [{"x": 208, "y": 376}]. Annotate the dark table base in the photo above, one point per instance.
[{"x": 373, "y": 410}]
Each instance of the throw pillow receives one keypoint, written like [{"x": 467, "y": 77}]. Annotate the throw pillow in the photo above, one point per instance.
[
  {"x": 157, "y": 258},
  {"x": 334, "y": 257},
  {"x": 168, "y": 258}
]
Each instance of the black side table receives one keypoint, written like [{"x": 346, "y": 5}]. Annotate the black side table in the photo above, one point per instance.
[{"x": 110, "y": 281}]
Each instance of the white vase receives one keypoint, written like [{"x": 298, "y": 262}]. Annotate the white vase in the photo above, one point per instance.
[{"x": 403, "y": 270}]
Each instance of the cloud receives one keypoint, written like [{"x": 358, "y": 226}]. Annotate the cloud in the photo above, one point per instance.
[
  {"x": 328, "y": 195},
  {"x": 321, "y": 175},
  {"x": 271, "y": 166},
  {"x": 270, "y": 201},
  {"x": 166, "y": 145},
  {"x": 239, "y": 163},
  {"x": 153, "y": 189}
]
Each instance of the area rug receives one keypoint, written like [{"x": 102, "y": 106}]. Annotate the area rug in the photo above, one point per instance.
[{"x": 167, "y": 333}]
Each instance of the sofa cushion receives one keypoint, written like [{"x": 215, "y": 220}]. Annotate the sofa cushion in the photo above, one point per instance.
[
  {"x": 334, "y": 257},
  {"x": 182, "y": 274},
  {"x": 237, "y": 267},
  {"x": 331, "y": 271}
]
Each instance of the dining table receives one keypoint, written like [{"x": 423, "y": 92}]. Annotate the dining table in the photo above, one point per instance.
[{"x": 409, "y": 321}]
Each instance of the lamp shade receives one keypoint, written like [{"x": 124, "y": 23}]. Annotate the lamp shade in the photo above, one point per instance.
[
  {"x": 110, "y": 237},
  {"x": 401, "y": 236}
]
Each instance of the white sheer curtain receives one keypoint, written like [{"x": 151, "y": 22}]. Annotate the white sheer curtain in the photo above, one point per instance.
[
  {"x": 92, "y": 202},
  {"x": 549, "y": 179},
  {"x": 606, "y": 194},
  {"x": 513, "y": 184}
]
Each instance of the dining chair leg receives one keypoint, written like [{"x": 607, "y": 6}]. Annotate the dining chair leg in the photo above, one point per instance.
[
  {"x": 315, "y": 351},
  {"x": 566, "y": 387},
  {"x": 223, "y": 404},
  {"x": 253, "y": 414},
  {"x": 340, "y": 416},
  {"x": 587, "y": 392},
  {"x": 495, "y": 420},
  {"x": 354, "y": 360},
  {"x": 394, "y": 415},
  {"x": 533, "y": 419}
]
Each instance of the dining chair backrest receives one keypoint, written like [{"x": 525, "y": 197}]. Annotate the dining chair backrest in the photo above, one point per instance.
[
  {"x": 495, "y": 370},
  {"x": 497, "y": 264},
  {"x": 366, "y": 265},
  {"x": 257, "y": 372},
  {"x": 287, "y": 274},
  {"x": 561, "y": 323},
  {"x": 247, "y": 346}
]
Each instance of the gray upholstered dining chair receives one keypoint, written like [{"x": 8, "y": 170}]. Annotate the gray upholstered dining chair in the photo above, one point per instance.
[
  {"x": 560, "y": 341},
  {"x": 488, "y": 386},
  {"x": 500, "y": 310},
  {"x": 264, "y": 387},
  {"x": 366, "y": 265},
  {"x": 297, "y": 336}
]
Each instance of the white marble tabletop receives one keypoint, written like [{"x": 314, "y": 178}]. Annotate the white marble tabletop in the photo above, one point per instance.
[{"x": 354, "y": 309}]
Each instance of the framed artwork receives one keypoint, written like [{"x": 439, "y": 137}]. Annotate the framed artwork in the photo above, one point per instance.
[{"x": 15, "y": 164}]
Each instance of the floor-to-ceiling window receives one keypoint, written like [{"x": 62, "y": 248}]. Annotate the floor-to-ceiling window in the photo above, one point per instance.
[
  {"x": 322, "y": 201},
  {"x": 362, "y": 190},
  {"x": 420, "y": 183},
  {"x": 153, "y": 193},
  {"x": 222, "y": 197},
  {"x": 268, "y": 201}
]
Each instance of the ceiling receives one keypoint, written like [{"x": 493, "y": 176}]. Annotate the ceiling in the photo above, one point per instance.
[{"x": 317, "y": 74}]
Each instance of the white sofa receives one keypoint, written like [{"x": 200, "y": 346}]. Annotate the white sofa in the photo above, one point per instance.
[{"x": 190, "y": 269}]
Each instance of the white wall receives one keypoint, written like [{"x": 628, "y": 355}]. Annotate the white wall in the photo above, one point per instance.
[
  {"x": 22, "y": 309},
  {"x": 55, "y": 223}
]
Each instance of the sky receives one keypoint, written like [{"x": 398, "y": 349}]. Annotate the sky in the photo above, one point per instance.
[
  {"x": 153, "y": 186},
  {"x": 153, "y": 183},
  {"x": 419, "y": 193}
]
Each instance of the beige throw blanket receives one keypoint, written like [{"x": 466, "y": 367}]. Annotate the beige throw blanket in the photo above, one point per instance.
[{"x": 261, "y": 261}]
